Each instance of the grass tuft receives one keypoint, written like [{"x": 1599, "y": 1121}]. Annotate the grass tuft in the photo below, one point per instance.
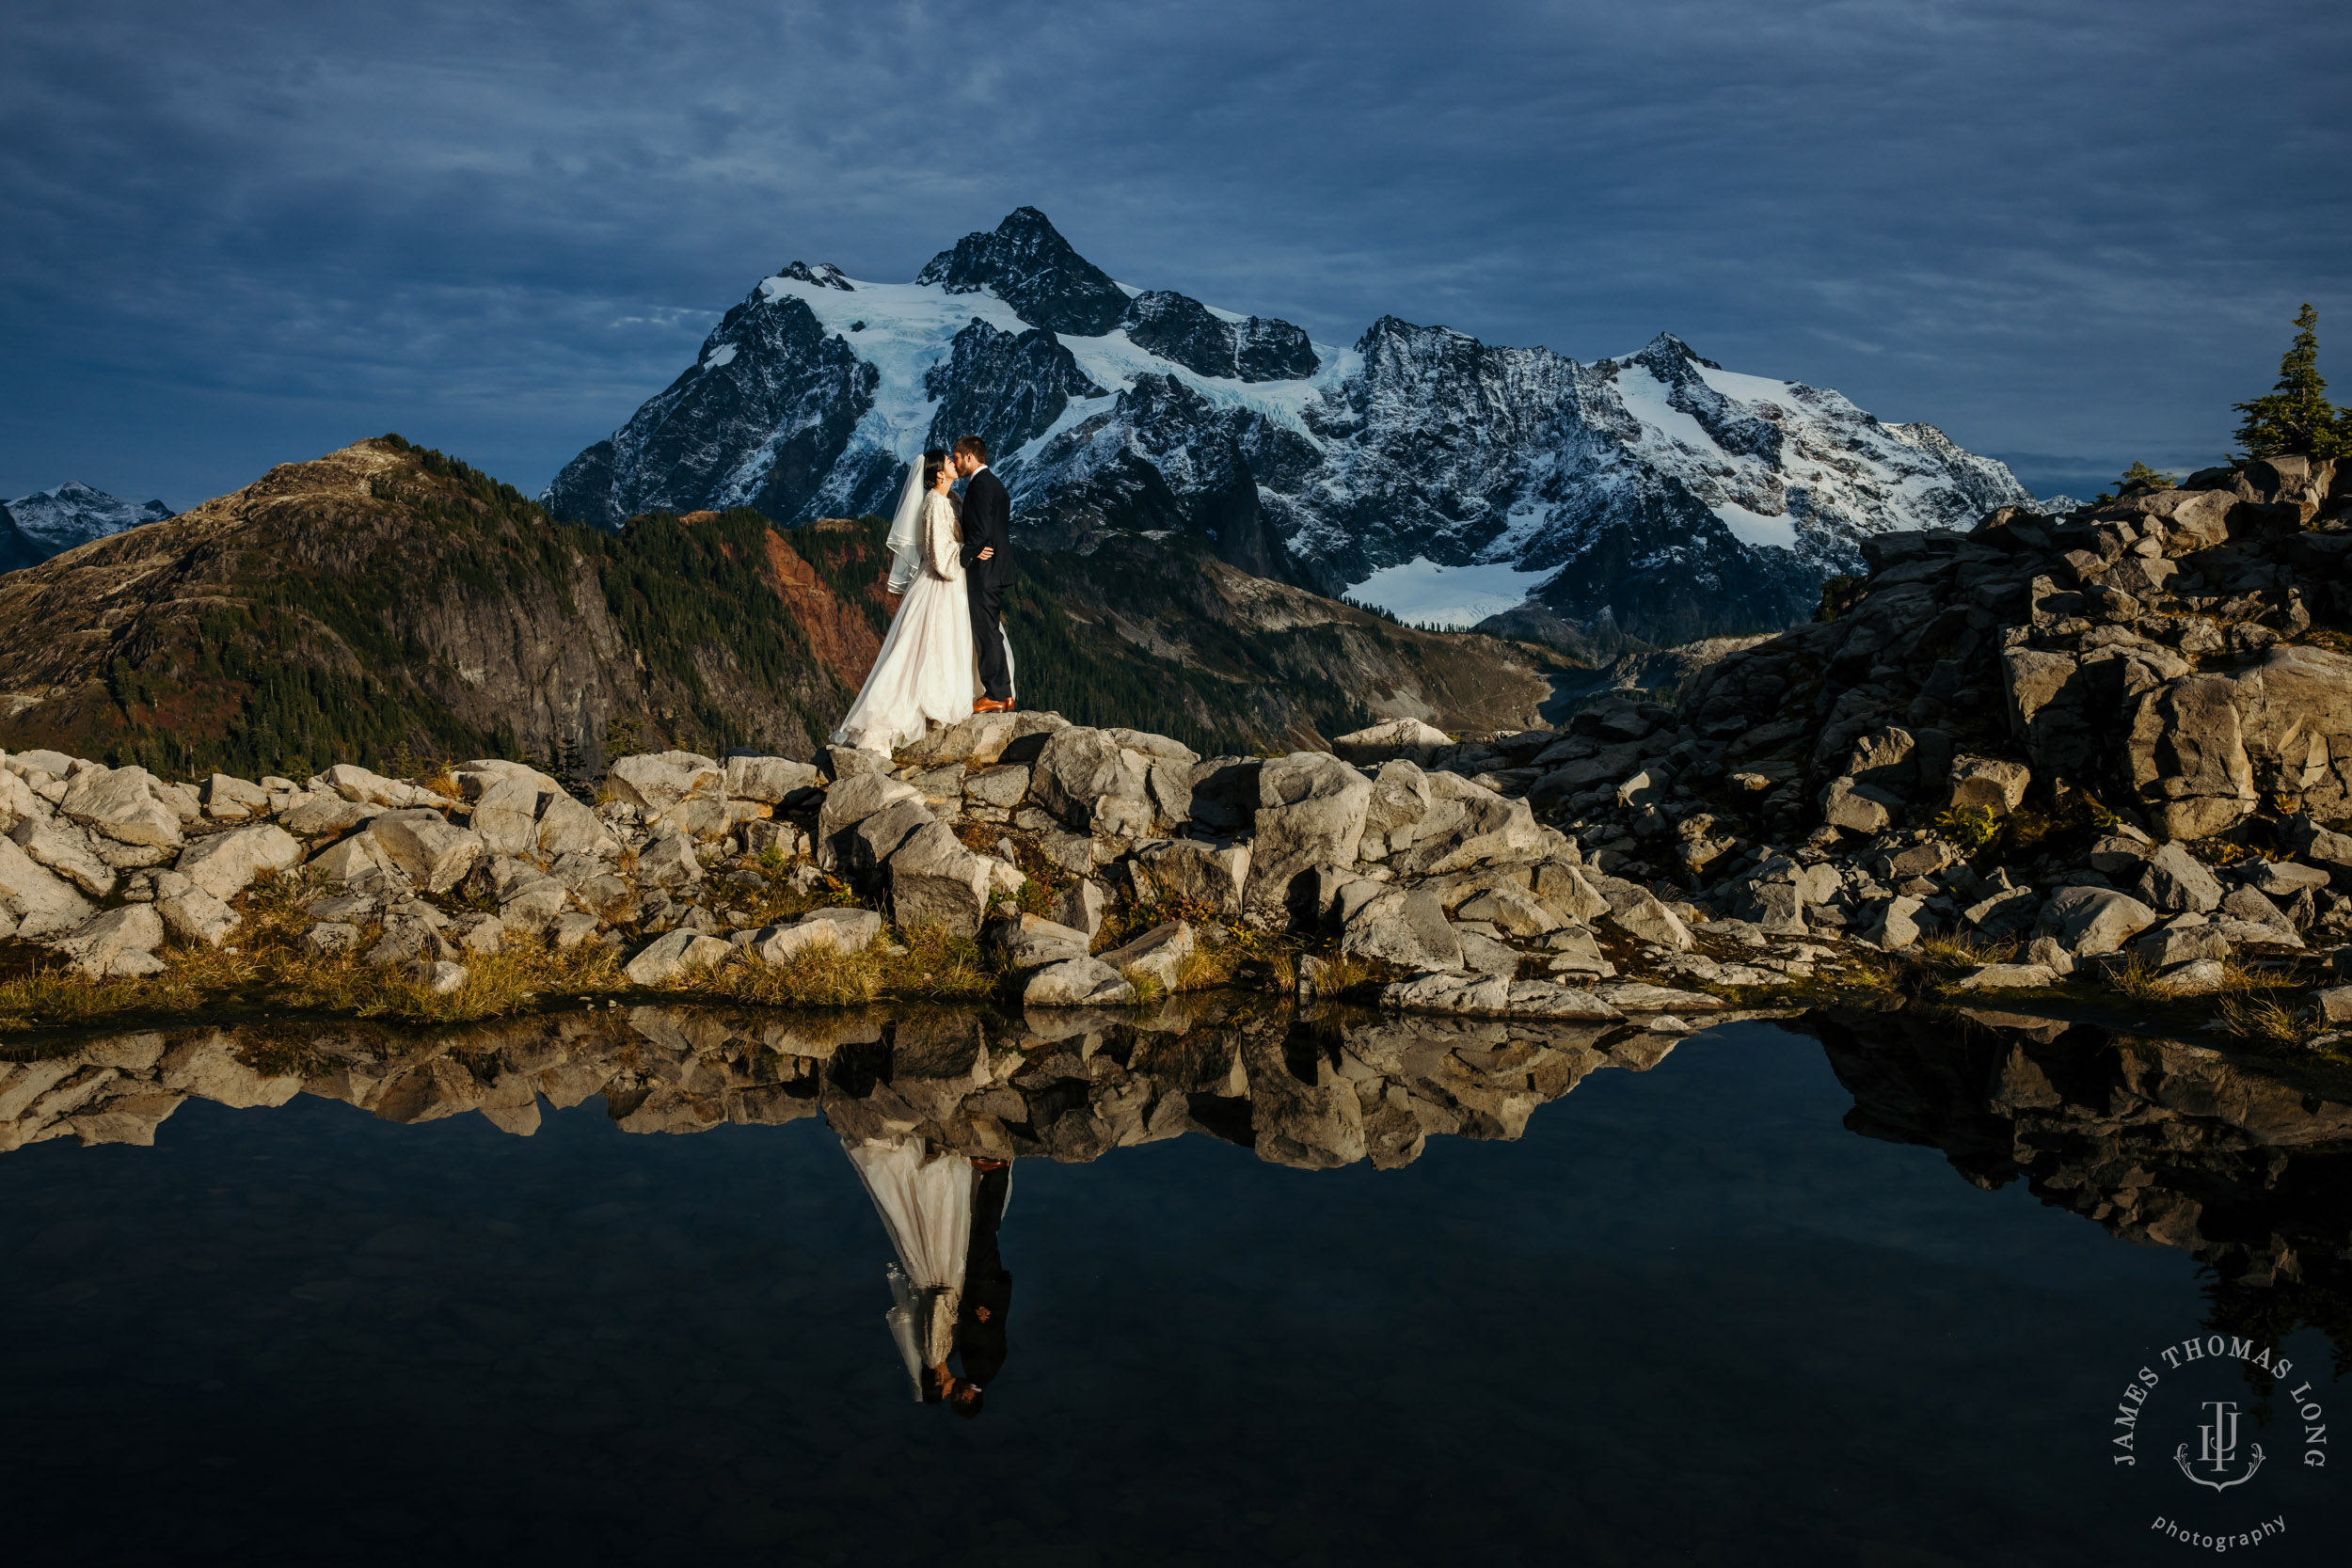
[
  {"x": 1956, "y": 952},
  {"x": 2264, "y": 1020},
  {"x": 2135, "y": 979}
]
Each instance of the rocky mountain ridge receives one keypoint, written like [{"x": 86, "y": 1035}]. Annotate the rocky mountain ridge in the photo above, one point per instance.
[
  {"x": 385, "y": 602},
  {"x": 1656, "y": 493}
]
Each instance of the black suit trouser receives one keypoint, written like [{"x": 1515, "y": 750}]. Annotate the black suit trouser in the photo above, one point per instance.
[{"x": 987, "y": 638}]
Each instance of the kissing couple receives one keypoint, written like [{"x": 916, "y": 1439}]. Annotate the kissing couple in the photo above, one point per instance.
[{"x": 951, "y": 562}]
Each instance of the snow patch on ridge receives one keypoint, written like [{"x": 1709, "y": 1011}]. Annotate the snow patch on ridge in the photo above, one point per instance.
[{"x": 1644, "y": 398}]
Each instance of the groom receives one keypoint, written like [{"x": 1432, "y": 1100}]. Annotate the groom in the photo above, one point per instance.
[{"x": 987, "y": 568}]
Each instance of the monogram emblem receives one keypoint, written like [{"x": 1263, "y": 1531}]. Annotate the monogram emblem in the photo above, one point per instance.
[{"x": 2216, "y": 1450}]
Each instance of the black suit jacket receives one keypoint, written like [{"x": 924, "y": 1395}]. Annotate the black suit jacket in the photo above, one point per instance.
[
  {"x": 987, "y": 1283},
  {"x": 987, "y": 521}
]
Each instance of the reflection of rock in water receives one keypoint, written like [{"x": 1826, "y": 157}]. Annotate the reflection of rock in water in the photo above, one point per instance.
[
  {"x": 1301, "y": 1090},
  {"x": 2235, "y": 1160}
]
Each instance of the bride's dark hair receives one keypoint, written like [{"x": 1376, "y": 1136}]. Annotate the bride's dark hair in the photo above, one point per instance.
[{"x": 933, "y": 461}]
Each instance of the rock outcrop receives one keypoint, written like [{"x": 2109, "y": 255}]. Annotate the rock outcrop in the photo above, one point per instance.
[{"x": 2078, "y": 729}]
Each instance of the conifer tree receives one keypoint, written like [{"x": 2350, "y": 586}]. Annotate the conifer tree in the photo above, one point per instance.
[
  {"x": 2137, "y": 476},
  {"x": 2297, "y": 417}
]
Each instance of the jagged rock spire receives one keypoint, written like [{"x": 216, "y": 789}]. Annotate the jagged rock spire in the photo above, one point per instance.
[{"x": 1026, "y": 263}]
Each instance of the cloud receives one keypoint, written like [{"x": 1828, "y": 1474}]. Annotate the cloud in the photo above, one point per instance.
[{"x": 247, "y": 233}]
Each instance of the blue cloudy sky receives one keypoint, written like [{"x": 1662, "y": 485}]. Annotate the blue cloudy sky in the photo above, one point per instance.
[{"x": 251, "y": 231}]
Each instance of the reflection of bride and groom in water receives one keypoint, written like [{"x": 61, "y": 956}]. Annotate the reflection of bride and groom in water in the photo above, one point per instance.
[{"x": 950, "y": 1291}]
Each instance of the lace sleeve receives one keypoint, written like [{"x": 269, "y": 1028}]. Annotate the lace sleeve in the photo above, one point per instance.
[{"x": 942, "y": 539}]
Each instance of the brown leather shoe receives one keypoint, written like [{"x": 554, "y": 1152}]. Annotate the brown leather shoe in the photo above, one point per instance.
[{"x": 992, "y": 704}]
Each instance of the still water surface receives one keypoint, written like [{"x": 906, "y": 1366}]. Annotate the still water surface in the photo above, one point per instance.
[{"x": 1686, "y": 1317}]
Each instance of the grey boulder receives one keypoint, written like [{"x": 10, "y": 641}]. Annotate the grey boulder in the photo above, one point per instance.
[
  {"x": 506, "y": 817},
  {"x": 1643, "y": 916},
  {"x": 39, "y": 902},
  {"x": 226, "y": 863},
  {"x": 1217, "y": 876},
  {"x": 654, "y": 782},
  {"x": 673, "y": 955},
  {"x": 849, "y": 802},
  {"x": 934, "y": 880},
  {"x": 426, "y": 847},
  {"x": 1077, "y": 982},
  {"x": 771, "y": 779},
  {"x": 1398, "y": 737},
  {"x": 1310, "y": 812},
  {"x": 1159, "y": 953},
  {"x": 1401, "y": 926},
  {"x": 121, "y": 803},
  {"x": 1029, "y": 942},
  {"x": 2094, "y": 920},
  {"x": 197, "y": 917},
  {"x": 120, "y": 944},
  {"x": 843, "y": 931},
  {"x": 67, "y": 850},
  {"x": 2174, "y": 879},
  {"x": 567, "y": 827}
]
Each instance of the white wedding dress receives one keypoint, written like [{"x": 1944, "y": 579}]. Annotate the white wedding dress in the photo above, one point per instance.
[
  {"x": 924, "y": 1196},
  {"x": 926, "y": 673}
]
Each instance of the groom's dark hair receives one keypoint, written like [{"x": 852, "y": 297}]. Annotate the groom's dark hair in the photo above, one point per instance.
[{"x": 974, "y": 445}]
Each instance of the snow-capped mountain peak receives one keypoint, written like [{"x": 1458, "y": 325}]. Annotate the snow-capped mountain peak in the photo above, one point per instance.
[
  {"x": 1657, "y": 490},
  {"x": 73, "y": 513}
]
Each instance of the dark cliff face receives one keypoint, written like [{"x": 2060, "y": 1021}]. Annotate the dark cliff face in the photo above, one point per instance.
[
  {"x": 759, "y": 419},
  {"x": 1026, "y": 263},
  {"x": 1654, "y": 561},
  {"x": 1423, "y": 451},
  {"x": 1159, "y": 457},
  {"x": 1185, "y": 332},
  {"x": 1006, "y": 388},
  {"x": 16, "y": 550}
]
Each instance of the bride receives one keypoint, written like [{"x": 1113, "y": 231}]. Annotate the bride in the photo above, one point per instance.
[{"x": 927, "y": 671}]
